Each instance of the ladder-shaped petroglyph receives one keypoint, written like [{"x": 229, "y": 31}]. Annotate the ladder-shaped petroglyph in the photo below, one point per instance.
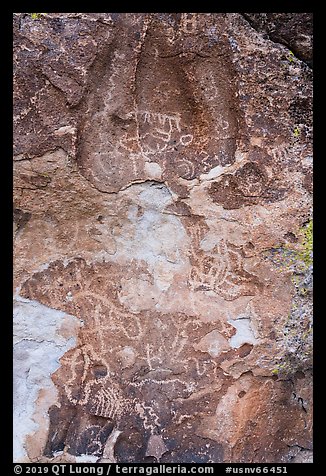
[
  {"x": 106, "y": 400},
  {"x": 90, "y": 384}
]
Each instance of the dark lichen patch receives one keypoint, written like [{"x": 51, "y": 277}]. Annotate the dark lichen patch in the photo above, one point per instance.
[
  {"x": 307, "y": 181},
  {"x": 281, "y": 257},
  {"x": 298, "y": 339},
  {"x": 301, "y": 111},
  {"x": 295, "y": 32}
]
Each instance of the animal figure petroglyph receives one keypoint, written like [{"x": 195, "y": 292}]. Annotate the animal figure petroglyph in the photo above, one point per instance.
[{"x": 222, "y": 271}]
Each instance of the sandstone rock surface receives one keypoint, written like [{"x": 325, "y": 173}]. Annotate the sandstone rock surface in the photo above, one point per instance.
[{"x": 162, "y": 238}]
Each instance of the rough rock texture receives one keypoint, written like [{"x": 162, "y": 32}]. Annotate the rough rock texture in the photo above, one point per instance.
[
  {"x": 292, "y": 30},
  {"x": 162, "y": 224}
]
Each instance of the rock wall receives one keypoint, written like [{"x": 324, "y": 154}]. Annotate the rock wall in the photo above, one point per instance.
[{"x": 162, "y": 237}]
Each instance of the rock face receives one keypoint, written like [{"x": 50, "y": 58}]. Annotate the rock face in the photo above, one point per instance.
[{"x": 163, "y": 231}]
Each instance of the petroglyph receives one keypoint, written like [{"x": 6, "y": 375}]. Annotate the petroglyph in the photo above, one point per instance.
[
  {"x": 149, "y": 417},
  {"x": 90, "y": 384},
  {"x": 108, "y": 381},
  {"x": 221, "y": 269},
  {"x": 160, "y": 157},
  {"x": 185, "y": 167},
  {"x": 156, "y": 133},
  {"x": 222, "y": 272},
  {"x": 174, "y": 121}
]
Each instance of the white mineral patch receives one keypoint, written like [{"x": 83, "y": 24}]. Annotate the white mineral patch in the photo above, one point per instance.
[
  {"x": 57, "y": 453},
  {"x": 213, "y": 173},
  {"x": 153, "y": 170},
  {"x": 244, "y": 334},
  {"x": 38, "y": 346},
  {"x": 65, "y": 130},
  {"x": 127, "y": 357},
  {"x": 108, "y": 453},
  {"x": 153, "y": 236},
  {"x": 86, "y": 459},
  {"x": 155, "y": 195}
]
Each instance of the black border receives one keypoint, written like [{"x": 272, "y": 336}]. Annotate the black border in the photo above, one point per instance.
[{"x": 7, "y": 187}]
